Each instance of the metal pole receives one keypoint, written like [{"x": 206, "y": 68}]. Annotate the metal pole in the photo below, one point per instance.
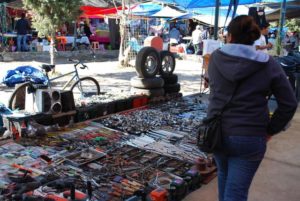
[
  {"x": 281, "y": 23},
  {"x": 216, "y": 19},
  {"x": 75, "y": 35}
]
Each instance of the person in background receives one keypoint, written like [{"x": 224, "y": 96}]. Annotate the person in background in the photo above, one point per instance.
[
  {"x": 205, "y": 34},
  {"x": 297, "y": 40},
  {"x": 261, "y": 44},
  {"x": 272, "y": 39},
  {"x": 174, "y": 35},
  {"x": 191, "y": 27},
  {"x": 197, "y": 39},
  {"x": 286, "y": 39},
  {"x": 87, "y": 30},
  {"x": 294, "y": 40},
  {"x": 211, "y": 32},
  {"x": 80, "y": 29},
  {"x": 64, "y": 29},
  {"x": 22, "y": 28},
  {"x": 244, "y": 77}
]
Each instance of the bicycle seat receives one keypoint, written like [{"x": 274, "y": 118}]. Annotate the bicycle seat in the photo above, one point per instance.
[{"x": 47, "y": 67}]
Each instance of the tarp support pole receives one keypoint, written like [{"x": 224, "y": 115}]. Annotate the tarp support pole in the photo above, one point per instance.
[
  {"x": 281, "y": 23},
  {"x": 217, "y": 19}
]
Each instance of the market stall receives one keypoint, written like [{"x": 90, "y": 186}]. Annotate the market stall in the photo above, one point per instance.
[
  {"x": 94, "y": 14},
  {"x": 111, "y": 158}
]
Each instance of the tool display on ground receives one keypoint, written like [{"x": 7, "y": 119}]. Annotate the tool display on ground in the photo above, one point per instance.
[{"x": 147, "y": 153}]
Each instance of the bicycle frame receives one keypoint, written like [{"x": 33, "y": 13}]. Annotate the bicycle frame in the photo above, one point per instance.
[{"x": 75, "y": 77}]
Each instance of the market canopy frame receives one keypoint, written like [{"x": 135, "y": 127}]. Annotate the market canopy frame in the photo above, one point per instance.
[{"x": 188, "y": 4}]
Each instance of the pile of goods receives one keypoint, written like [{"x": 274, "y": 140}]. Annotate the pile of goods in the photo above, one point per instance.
[
  {"x": 148, "y": 153},
  {"x": 155, "y": 73}
]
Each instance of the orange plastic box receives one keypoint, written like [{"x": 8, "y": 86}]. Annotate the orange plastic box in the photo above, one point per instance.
[{"x": 155, "y": 42}]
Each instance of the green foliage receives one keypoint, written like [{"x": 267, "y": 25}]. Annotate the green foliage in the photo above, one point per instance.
[
  {"x": 50, "y": 15},
  {"x": 293, "y": 25}
]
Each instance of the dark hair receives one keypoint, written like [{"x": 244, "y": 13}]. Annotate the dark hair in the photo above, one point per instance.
[
  {"x": 23, "y": 15},
  {"x": 264, "y": 25},
  {"x": 243, "y": 30}
]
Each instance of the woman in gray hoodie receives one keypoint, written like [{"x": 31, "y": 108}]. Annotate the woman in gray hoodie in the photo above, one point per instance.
[{"x": 238, "y": 69}]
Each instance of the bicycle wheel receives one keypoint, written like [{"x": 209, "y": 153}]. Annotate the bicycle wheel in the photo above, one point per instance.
[
  {"x": 85, "y": 87},
  {"x": 17, "y": 98}
]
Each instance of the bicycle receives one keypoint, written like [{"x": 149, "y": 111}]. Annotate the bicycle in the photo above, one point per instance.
[{"x": 83, "y": 87}]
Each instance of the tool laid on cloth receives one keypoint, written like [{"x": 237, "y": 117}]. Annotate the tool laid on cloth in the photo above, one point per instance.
[{"x": 93, "y": 162}]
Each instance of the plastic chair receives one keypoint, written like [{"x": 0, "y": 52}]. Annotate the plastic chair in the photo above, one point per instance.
[{"x": 62, "y": 44}]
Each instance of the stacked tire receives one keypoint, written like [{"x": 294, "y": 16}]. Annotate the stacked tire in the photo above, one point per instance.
[
  {"x": 148, "y": 64},
  {"x": 168, "y": 64},
  {"x": 155, "y": 76},
  {"x": 171, "y": 84}
]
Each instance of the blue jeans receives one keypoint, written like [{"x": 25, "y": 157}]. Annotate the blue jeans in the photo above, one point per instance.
[
  {"x": 237, "y": 166},
  {"x": 22, "y": 42}
]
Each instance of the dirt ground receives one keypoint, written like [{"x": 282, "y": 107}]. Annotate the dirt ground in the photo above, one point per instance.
[{"x": 278, "y": 178}]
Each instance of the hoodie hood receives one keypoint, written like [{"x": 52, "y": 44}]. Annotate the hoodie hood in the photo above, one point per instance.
[{"x": 236, "y": 62}]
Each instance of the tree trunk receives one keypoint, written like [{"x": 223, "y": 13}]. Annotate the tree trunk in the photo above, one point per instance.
[
  {"x": 122, "y": 42},
  {"x": 122, "y": 34},
  {"x": 52, "y": 50},
  {"x": 114, "y": 33}
]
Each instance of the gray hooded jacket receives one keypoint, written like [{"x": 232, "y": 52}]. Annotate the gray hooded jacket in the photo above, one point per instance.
[{"x": 255, "y": 74}]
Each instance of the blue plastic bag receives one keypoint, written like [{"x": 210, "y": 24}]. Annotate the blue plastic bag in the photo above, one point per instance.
[{"x": 21, "y": 75}]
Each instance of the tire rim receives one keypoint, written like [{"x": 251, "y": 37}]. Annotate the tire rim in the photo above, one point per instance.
[
  {"x": 151, "y": 64},
  {"x": 167, "y": 64}
]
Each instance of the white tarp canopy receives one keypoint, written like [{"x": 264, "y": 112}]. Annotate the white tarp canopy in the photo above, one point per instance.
[
  {"x": 207, "y": 15},
  {"x": 210, "y": 19},
  {"x": 169, "y": 12}
]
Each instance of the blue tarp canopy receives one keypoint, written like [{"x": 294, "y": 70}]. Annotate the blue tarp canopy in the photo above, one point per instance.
[
  {"x": 145, "y": 9},
  {"x": 207, "y": 15},
  {"x": 211, "y": 3},
  {"x": 241, "y": 10}
]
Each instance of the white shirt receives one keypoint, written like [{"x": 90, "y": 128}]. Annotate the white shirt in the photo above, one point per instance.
[
  {"x": 197, "y": 36},
  {"x": 261, "y": 42}
]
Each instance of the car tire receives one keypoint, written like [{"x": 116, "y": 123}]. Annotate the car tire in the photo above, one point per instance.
[
  {"x": 147, "y": 62},
  {"x": 174, "y": 88},
  {"x": 171, "y": 79},
  {"x": 147, "y": 83},
  {"x": 168, "y": 63}
]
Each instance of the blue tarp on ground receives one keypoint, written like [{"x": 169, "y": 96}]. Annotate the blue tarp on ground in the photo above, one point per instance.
[
  {"x": 22, "y": 74},
  {"x": 211, "y": 3}
]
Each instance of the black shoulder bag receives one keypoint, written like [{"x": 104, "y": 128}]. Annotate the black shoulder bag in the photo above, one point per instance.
[{"x": 210, "y": 131}]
